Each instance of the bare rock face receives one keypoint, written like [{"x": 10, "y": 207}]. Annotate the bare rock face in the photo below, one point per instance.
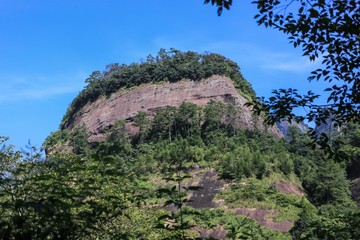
[{"x": 152, "y": 97}]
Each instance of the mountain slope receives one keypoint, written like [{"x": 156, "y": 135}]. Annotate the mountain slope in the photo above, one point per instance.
[{"x": 207, "y": 138}]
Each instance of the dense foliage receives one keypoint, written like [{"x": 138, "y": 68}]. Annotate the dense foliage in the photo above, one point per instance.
[
  {"x": 177, "y": 140},
  {"x": 327, "y": 31},
  {"x": 169, "y": 66}
]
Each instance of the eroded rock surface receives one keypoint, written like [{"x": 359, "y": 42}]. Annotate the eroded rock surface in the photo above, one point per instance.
[
  {"x": 149, "y": 98},
  {"x": 216, "y": 233},
  {"x": 259, "y": 216},
  {"x": 288, "y": 188}
]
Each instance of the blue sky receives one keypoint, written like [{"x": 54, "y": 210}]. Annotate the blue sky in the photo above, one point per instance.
[{"x": 48, "y": 48}]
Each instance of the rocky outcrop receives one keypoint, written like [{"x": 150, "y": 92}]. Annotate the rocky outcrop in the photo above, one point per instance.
[
  {"x": 259, "y": 215},
  {"x": 210, "y": 184},
  {"x": 125, "y": 104},
  {"x": 217, "y": 233},
  {"x": 288, "y": 188}
]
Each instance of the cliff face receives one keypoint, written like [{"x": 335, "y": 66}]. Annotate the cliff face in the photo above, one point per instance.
[{"x": 150, "y": 98}]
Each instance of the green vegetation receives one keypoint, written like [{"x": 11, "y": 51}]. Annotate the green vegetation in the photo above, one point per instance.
[
  {"x": 238, "y": 227},
  {"x": 120, "y": 189},
  {"x": 139, "y": 187},
  {"x": 263, "y": 194},
  {"x": 171, "y": 66}
]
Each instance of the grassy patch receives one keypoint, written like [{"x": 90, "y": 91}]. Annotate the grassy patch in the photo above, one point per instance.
[
  {"x": 262, "y": 194},
  {"x": 238, "y": 227}
]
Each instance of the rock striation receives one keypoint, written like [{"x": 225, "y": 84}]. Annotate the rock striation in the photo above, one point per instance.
[{"x": 125, "y": 104}]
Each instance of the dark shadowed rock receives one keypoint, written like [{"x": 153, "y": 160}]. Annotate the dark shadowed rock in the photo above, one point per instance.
[{"x": 210, "y": 184}]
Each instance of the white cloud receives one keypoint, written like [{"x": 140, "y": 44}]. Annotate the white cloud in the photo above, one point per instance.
[
  {"x": 35, "y": 94},
  {"x": 20, "y": 88},
  {"x": 265, "y": 59},
  {"x": 297, "y": 65},
  {"x": 250, "y": 54}
]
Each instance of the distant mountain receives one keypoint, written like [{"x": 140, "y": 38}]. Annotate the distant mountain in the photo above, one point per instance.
[
  {"x": 328, "y": 127},
  {"x": 284, "y": 125}
]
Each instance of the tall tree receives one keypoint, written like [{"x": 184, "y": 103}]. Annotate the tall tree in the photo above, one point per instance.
[
  {"x": 163, "y": 121},
  {"x": 214, "y": 113},
  {"x": 188, "y": 119},
  {"x": 142, "y": 123}
]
